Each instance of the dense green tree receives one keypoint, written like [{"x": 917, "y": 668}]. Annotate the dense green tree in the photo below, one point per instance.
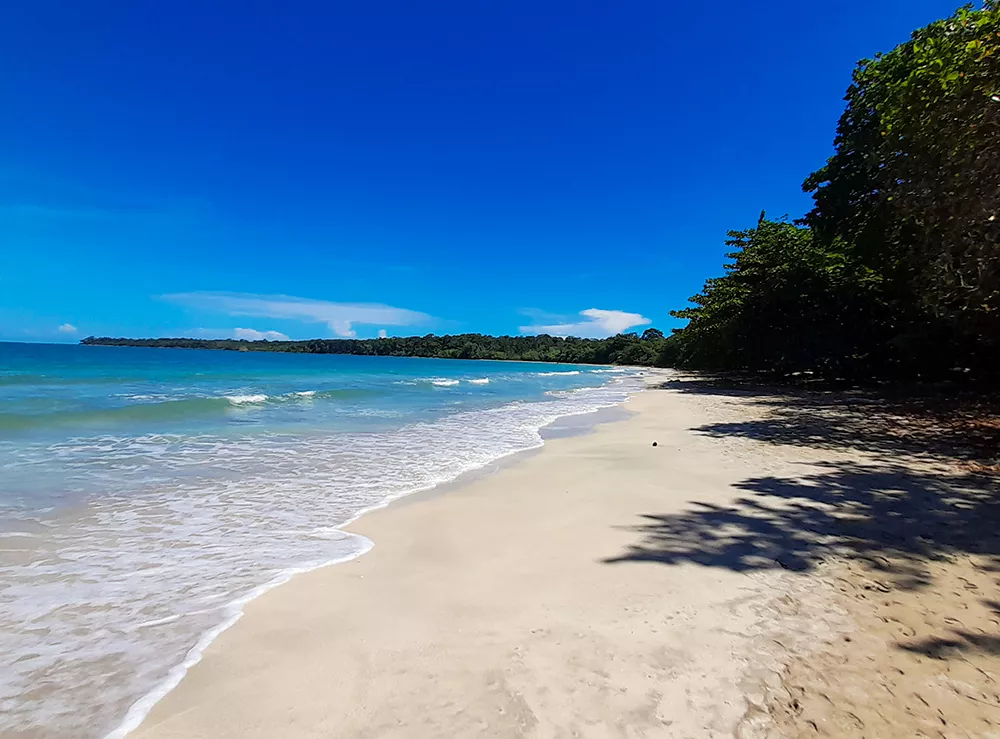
[
  {"x": 914, "y": 185},
  {"x": 896, "y": 270},
  {"x": 785, "y": 304}
]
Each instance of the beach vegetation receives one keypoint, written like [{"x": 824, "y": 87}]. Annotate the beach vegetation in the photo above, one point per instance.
[
  {"x": 895, "y": 271},
  {"x": 621, "y": 349}
]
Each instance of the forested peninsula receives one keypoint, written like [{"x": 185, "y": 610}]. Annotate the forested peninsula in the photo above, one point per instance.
[
  {"x": 628, "y": 348},
  {"x": 894, "y": 274}
]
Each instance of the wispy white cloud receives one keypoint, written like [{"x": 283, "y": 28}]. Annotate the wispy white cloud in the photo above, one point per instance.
[
  {"x": 596, "y": 323},
  {"x": 383, "y": 334},
  {"x": 67, "y": 328},
  {"x": 251, "y": 334},
  {"x": 340, "y": 318}
]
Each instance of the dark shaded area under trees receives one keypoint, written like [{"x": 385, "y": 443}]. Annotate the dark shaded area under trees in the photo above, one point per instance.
[{"x": 891, "y": 516}]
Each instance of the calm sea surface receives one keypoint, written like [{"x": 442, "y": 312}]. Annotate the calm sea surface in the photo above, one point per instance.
[{"x": 147, "y": 494}]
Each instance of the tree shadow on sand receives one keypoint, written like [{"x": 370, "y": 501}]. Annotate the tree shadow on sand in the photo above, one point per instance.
[
  {"x": 961, "y": 641},
  {"x": 896, "y": 518},
  {"x": 877, "y": 512},
  {"x": 943, "y": 424}
]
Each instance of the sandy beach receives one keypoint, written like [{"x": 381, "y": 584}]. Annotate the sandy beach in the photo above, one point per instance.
[{"x": 727, "y": 581}]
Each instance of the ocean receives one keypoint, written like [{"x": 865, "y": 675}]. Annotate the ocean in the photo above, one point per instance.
[{"x": 147, "y": 494}]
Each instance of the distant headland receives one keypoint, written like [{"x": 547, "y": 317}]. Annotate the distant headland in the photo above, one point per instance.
[{"x": 631, "y": 348}]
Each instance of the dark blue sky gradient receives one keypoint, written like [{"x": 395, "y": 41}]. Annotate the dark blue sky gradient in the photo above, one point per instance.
[{"x": 492, "y": 165}]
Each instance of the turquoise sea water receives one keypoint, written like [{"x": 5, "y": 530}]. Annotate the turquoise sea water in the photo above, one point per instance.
[{"x": 146, "y": 494}]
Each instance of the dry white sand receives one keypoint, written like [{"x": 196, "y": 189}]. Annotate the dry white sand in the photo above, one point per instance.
[{"x": 570, "y": 594}]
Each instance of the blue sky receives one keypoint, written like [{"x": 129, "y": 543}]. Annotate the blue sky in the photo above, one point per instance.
[{"x": 345, "y": 168}]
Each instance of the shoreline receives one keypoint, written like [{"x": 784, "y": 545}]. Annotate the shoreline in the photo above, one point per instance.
[
  {"x": 777, "y": 565},
  {"x": 624, "y": 367},
  {"x": 560, "y": 427},
  {"x": 176, "y": 715}
]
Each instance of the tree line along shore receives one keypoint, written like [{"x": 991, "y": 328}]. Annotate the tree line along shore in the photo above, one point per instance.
[{"x": 630, "y": 349}]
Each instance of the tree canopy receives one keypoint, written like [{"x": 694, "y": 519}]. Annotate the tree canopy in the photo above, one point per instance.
[
  {"x": 896, "y": 269},
  {"x": 785, "y": 304}
]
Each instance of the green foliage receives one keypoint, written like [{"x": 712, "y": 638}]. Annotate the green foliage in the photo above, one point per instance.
[
  {"x": 896, "y": 270},
  {"x": 621, "y": 349},
  {"x": 914, "y": 185},
  {"x": 785, "y": 304}
]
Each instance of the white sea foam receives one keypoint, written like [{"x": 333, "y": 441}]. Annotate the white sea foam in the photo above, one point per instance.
[
  {"x": 203, "y": 524},
  {"x": 243, "y": 399},
  {"x": 159, "y": 621},
  {"x": 553, "y": 374},
  {"x": 444, "y": 383},
  {"x": 480, "y": 381},
  {"x": 305, "y": 393},
  {"x": 138, "y": 711}
]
